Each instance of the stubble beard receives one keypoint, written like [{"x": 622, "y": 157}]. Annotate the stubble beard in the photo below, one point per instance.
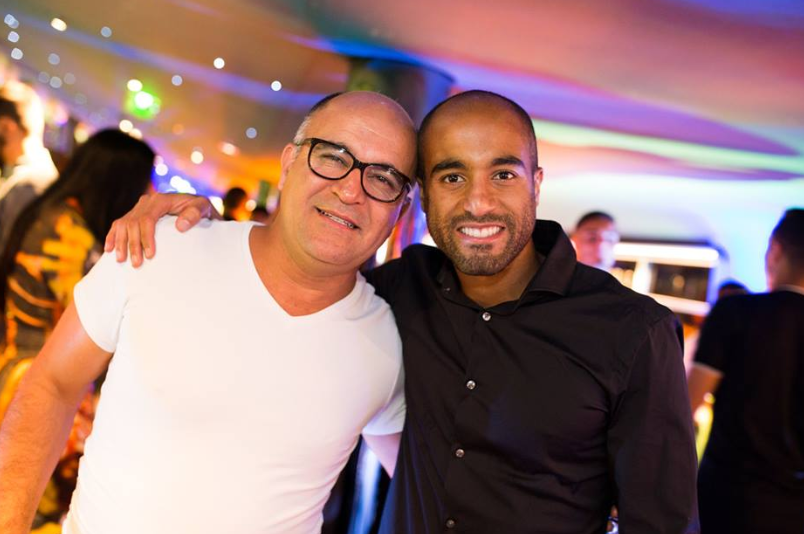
[{"x": 480, "y": 261}]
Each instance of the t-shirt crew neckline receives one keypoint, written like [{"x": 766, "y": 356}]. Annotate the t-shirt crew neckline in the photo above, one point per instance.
[{"x": 336, "y": 308}]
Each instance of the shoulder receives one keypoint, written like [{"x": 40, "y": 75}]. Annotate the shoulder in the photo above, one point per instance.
[
  {"x": 62, "y": 222},
  {"x": 417, "y": 262},
  {"x": 206, "y": 238},
  {"x": 371, "y": 314},
  {"x": 621, "y": 303}
]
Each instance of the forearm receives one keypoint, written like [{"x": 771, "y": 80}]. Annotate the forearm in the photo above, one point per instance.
[{"x": 32, "y": 437}]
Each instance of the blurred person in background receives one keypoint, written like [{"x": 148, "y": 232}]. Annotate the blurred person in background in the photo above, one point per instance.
[
  {"x": 26, "y": 168},
  {"x": 751, "y": 357},
  {"x": 234, "y": 205},
  {"x": 730, "y": 288},
  {"x": 261, "y": 215},
  {"x": 594, "y": 238},
  {"x": 53, "y": 244}
]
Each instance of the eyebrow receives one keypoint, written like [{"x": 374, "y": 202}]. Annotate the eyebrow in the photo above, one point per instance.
[
  {"x": 349, "y": 150},
  {"x": 448, "y": 164},
  {"x": 507, "y": 160}
]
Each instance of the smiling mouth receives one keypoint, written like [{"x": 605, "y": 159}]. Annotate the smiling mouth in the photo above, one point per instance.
[
  {"x": 337, "y": 219},
  {"x": 480, "y": 233}
]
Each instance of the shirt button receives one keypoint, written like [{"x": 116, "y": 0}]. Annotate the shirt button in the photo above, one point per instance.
[
  {"x": 486, "y": 316},
  {"x": 450, "y": 523},
  {"x": 471, "y": 385},
  {"x": 460, "y": 453}
]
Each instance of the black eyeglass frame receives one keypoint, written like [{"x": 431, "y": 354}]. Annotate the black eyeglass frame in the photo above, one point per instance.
[{"x": 356, "y": 164}]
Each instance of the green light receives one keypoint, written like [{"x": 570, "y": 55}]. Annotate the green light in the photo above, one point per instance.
[
  {"x": 143, "y": 100},
  {"x": 142, "y": 104}
]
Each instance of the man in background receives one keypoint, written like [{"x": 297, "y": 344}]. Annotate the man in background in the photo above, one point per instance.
[
  {"x": 26, "y": 168},
  {"x": 594, "y": 238},
  {"x": 750, "y": 355}
]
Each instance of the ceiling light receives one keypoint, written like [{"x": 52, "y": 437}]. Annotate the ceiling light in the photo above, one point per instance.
[
  {"x": 69, "y": 78},
  {"x": 16, "y": 54},
  {"x": 176, "y": 80},
  {"x": 58, "y": 24},
  {"x": 80, "y": 98},
  {"x": 13, "y": 36},
  {"x": 11, "y": 21},
  {"x": 219, "y": 63},
  {"x": 136, "y": 133},
  {"x": 276, "y": 85},
  {"x": 55, "y": 82},
  {"x": 228, "y": 148},
  {"x": 251, "y": 133},
  {"x": 126, "y": 125},
  {"x": 106, "y": 31},
  {"x": 134, "y": 85},
  {"x": 161, "y": 169},
  {"x": 81, "y": 133},
  {"x": 53, "y": 59},
  {"x": 197, "y": 157},
  {"x": 44, "y": 77}
]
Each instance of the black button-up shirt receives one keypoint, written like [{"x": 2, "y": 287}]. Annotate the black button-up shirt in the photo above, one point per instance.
[{"x": 536, "y": 415}]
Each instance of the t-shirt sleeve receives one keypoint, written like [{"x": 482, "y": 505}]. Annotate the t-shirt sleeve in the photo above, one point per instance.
[
  {"x": 712, "y": 350},
  {"x": 391, "y": 418},
  {"x": 100, "y": 299}
]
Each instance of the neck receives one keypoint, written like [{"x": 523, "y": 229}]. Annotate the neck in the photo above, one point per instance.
[
  {"x": 789, "y": 281},
  {"x": 298, "y": 289},
  {"x": 506, "y": 285}
]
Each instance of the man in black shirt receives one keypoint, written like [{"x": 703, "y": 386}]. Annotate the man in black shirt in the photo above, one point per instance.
[
  {"x": 751, "y": 356},
  {"x": 540, "y": 392}
]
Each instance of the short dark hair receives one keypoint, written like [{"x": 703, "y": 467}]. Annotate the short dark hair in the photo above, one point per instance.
[
  {"x": 478, "y": 95},
  {"x": 234, "y": 197},
  {"x": 592, "y": 215},
  {"x": 8, "y": 108},
  {"x": 789, "y": 233}
]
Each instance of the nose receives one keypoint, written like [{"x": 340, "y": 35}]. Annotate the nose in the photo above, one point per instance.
[
  {"x": 348, "y": 188},
  {"x": 480, "y": 198}
]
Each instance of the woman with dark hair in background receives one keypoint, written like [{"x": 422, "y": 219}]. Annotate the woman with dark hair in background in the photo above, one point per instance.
[{"x": 53, "y": 244}]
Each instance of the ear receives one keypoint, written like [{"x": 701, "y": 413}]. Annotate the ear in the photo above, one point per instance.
[
  {"x": 422, "y": 194},
  {"x": 286, "y": 160},
  {"x": 538, "y": 176},
  {"x": 407, "y": 202}
]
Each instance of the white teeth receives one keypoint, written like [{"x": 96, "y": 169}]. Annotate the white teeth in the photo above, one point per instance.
[
  {"x": 337, "y": 219},
  {"x": 481, "y": 232}
]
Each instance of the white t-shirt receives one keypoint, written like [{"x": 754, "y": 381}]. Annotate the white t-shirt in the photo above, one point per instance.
[{"x": 220, "y": 412}]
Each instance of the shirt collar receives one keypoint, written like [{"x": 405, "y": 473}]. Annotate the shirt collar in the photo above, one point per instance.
[
  {"x": 555, "y": 272},
  {"x": 788, "y": 287}
]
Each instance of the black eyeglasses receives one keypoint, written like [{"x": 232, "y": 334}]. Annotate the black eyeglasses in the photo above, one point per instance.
[{"x": 333, "y": 162}]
